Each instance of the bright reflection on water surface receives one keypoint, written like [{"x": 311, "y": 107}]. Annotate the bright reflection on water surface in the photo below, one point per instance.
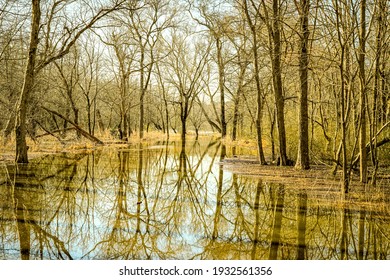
[{"x": 171, "y": 201}]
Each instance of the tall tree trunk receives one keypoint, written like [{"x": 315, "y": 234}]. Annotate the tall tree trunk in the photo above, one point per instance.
[
  {"x": 142, "y": 94},
  {"x": 237, "y": 98},
  {"x": 343, "y": 93},
  {"x": 183, "y": 118},
  {"x": 375, "y": 107},
  {"x": 258, "y": 86},
  {"x": 363, "y": 127},
  {"x": 89, "y": 116},
  {"x": 303, "y": 148},
  {"x": 164, "y": 94},
  {"x": 28, "y": 83},
  {"x": 277, "y": 81},
  {"x": 221, "y": 74},
  {"x": 383, "y": 48},
  {"x": 124, "y": 82},
  {"x": 235, "y": 118}
]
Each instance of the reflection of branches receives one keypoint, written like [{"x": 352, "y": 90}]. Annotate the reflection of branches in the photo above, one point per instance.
[
  {"x": 162, "y": 175},
  {"x": 277, "y": 224},
  {"x": 199, "y": 162},
  {"x": 66, "y": 181},
  {"x": 193, "y": 180},
  {"x": 344, "y": 236},
  {"x": 182, "y": 198},
  {"x": 240, "y": 218},
  {"x": 218, "y": 210},
  {"x": 65, "y": 197},
  {"x": 255, "y": 238},
  {"x": 24, "y": 211},
  {"x": 131, "y": 233},
  {"x": 60, "y": 245},
  {"x": 301, "y": 227}
]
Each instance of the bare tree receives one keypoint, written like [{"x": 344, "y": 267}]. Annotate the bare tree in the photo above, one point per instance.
[
  {"x": 125, "y": 52},
  {"x": 146, "y": 24},
  {"x": 54, "y": 49},
  {"x": 259, "y": 99},
  {"x": 273, "y": 23},
  {"x": 186, "y": 70},
  {"x": 12, "y": 20},
  {"x": 29, "y": 76},
  {"x": 68, "y": 69},
  {"x": 363, "y": 109},
  {"x": 89, "y": 82},
  {"x": 303, "y": 148},
  {"x": 216, "y": 21}
]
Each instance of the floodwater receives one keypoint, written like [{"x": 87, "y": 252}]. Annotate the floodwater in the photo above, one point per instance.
[{"x": 173, "y": 201}]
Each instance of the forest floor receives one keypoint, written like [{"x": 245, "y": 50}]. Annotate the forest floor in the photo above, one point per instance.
[{"x": 318, "y": 183}]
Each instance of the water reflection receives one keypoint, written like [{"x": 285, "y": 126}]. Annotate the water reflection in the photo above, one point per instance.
[
  {"x": 277, "y": 222},
  {"x": 301, "y": 225},
  {"x": 21, "y": 213},
  {"x": 175, "y": 201}
]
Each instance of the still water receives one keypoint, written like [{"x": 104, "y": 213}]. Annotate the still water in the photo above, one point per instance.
[{"x": 174, "y": 201}]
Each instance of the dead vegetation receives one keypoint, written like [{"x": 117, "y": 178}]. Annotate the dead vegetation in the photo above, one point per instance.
[
  {"x": 48, "y": 143},
  {"x": 318, "y": 183}
]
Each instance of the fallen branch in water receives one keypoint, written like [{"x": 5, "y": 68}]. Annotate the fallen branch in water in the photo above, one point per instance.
[
  {"x": 78, "y": 128},
  {"x": 52, "y": 133}
]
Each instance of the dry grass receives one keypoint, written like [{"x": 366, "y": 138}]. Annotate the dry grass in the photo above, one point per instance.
[
  {"x": 318, "y": 183},
  {"x": 246, "y": 143},
  {"x": 49, "y": 144},
  {"x": 45, "y": 145}
]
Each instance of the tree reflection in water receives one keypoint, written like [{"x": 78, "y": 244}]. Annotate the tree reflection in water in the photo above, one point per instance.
[
  {"x": 177, "y": 201},
  {"x": 301, "y": 225},
  {"x": 277, "y": 223}
]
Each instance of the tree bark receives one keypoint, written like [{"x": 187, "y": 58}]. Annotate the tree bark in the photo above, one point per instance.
[
  {"x": 277, "y": 81},
  {"x": 142, "y": 93},
  {"x": 363, "y": 127},
  {"x": 344, "y": 74},
  {"x": 237, "y": 97},
  {"x": 221, "y": 75},
  {"x": 28, "y": 83},
  {"x": 183, "y": 129},
  {"x": 258, "y": 86},
  {"x": 303, "y": 148}
]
